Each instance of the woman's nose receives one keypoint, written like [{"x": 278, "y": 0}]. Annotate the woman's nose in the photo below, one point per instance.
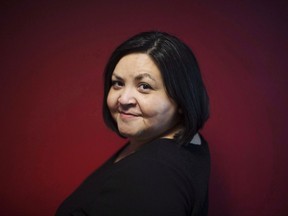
[{"x": 126, "y": 97}]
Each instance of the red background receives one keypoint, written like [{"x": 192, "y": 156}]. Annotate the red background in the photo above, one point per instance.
[{"x": 52, "y": 58}]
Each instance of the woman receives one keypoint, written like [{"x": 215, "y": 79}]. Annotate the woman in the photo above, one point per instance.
[{"x": 155, "y": 97}]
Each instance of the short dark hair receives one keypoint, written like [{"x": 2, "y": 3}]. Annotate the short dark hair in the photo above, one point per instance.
[{"x": 181, "y": 76}]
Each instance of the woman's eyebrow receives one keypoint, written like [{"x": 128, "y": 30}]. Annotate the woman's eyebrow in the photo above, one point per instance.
[
  {"x": 144, "y": 75},
  {"x": 117, "y": 76}
]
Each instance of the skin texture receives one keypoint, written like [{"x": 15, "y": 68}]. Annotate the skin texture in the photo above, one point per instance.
[{"x": 138, "y": 101}]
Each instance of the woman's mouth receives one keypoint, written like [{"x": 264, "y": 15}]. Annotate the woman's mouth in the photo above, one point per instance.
[{"x": 128, "y": 115}]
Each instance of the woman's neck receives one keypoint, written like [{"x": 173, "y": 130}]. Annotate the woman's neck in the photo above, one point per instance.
[{"x": 135, "y": 144}]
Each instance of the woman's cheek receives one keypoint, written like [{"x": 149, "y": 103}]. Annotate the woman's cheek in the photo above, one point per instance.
[
  {"x": 111, "y": 102},
  {"x": 150, "y": 109}
]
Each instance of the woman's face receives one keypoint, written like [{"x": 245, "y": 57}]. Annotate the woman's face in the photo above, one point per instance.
[{"x": 138, "y": 101}]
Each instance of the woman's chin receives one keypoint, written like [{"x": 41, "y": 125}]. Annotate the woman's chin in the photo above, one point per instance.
[{"x": 127, "y": 134}]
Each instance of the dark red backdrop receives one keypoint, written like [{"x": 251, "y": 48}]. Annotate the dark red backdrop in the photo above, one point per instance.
[{"x": 52, "y": 58}]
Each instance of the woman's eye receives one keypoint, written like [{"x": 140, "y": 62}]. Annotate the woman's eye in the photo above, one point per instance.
[
  {"x": 144, "y": 87},
  {"x": 117, "y": 84}
]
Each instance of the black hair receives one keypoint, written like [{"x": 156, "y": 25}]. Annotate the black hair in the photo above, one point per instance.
[{"x": 181, "y": 76}]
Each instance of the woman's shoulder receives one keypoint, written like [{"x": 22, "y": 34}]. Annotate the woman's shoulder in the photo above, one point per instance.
[
  {"x": 166, "y": 153},
  {"x": 169, "y": 150}
]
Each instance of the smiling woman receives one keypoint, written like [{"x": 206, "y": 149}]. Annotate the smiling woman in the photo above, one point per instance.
[
  {"x": 138, "y": 101},
  {"x": 154, "y": 96}
]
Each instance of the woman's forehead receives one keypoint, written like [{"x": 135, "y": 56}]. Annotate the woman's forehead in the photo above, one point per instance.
[{"x": 138, "y": 66}]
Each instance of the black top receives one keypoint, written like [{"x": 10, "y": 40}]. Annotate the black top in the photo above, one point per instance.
[{"x": 160, "y": 179}]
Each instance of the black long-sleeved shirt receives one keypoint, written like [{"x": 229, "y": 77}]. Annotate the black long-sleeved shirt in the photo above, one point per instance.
[{"x": 160, "y": 179}]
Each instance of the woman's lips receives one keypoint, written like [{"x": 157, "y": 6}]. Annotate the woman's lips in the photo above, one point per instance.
[{"x": 126, "y": 115}]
